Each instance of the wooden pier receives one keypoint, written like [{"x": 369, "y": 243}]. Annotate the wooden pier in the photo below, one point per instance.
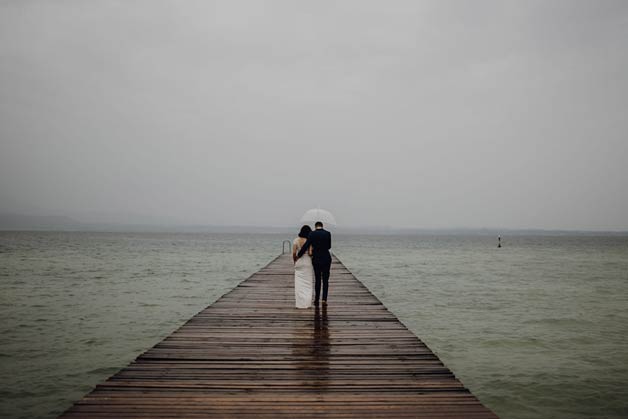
[{"x": 252, "y": 354}]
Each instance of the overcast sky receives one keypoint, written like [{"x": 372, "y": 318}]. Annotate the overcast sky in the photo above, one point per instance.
[{"x": 407, "y": 114}]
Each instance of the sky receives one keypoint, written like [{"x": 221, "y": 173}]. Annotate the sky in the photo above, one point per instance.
[{"x": 428, "y": 114}]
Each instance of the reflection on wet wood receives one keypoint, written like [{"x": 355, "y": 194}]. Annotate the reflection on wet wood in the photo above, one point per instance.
[{"x": 252, "y": 354}]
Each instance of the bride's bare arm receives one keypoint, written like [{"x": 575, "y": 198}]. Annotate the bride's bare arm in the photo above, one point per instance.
[
  {"x": 294, "y": 253},
  {"x": 310, "y": 250},
  {"x": 304, "y": 248}
]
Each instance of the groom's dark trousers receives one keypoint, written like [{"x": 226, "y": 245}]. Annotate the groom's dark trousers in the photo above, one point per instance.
[
  {"x": 321, "y": 274},
  {"x": 320, "y": 240}
]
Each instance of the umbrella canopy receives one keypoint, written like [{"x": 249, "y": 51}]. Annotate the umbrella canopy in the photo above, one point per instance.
[{"x": 318, "y": 214}]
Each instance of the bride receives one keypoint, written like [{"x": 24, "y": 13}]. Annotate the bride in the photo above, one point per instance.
[{"x": 303, "y": 270}]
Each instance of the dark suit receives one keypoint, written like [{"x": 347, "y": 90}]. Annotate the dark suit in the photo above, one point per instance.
[{"x": 320, "y": 240}]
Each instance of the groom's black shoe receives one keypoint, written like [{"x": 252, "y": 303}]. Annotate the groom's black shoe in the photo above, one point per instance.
[
  {"x": 324, "y": 302},
  {"x": 316, "y": 302}
]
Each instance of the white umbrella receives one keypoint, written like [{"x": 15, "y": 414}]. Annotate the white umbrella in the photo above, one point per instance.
[{"x": 318, "y": 214}]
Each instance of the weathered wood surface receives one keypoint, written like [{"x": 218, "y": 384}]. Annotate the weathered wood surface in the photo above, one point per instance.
[{"x": 252, "y": 354}]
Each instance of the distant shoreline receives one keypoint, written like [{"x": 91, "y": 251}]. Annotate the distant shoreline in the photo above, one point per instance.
[
  {"x": 286, "y": 230},
  {"x": 19, "y": 222}
]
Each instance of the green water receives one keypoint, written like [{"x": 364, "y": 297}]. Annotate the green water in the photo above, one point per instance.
[{"x": 536, "y": 329}]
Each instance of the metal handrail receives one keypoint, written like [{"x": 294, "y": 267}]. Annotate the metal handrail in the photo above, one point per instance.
[{"x": 283, "y": 246}]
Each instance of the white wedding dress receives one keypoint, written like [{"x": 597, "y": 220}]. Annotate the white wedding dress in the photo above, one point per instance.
[{"x": 303, "y": 278}]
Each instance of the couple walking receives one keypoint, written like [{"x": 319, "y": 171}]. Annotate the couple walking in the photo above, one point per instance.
[{"x": 312, "y": 260}]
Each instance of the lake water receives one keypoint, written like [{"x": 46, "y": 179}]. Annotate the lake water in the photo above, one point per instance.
[{"x": 536, "y": 329}]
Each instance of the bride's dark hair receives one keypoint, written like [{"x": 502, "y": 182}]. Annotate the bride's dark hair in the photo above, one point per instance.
[{"x": 305, "y": 231}]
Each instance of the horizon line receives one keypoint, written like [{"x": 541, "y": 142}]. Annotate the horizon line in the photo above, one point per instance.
[{"x": 73, "y": 224}]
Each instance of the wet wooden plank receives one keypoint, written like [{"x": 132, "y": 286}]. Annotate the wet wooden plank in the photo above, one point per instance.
[{"x": 251, "y": 354}]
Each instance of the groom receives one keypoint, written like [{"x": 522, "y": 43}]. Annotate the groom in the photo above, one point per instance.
[{"x": 320, "y": 240}]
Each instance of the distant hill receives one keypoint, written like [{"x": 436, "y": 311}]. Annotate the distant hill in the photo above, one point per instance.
[
  {"x": 38, "y": 222},
  {"x": 9, "y": 221}
]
